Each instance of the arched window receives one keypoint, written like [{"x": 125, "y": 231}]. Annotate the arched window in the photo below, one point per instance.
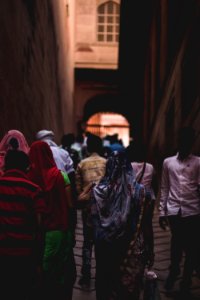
[{"x": 108, "y": 22}]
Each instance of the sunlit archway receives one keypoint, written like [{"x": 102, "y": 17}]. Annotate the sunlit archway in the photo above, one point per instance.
[{"x": 108, "y": 123}]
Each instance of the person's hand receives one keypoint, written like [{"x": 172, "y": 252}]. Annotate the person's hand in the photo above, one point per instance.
[
  {"x": 163, "y": 222},
  {"x": 85, "y": 194}
]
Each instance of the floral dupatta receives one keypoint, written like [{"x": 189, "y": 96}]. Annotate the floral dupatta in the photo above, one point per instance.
[{"x": 116, "y": 200}]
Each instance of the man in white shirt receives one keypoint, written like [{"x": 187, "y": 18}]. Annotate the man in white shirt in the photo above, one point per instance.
[{"x": 180, "y": 207}]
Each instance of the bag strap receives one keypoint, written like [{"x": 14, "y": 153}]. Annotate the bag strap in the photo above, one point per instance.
[
  {"x": 135, "y": 236},
  {"x": 143, "y": 170}
]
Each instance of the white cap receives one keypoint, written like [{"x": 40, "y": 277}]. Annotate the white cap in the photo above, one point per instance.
[{"x": 42, "y": 134}]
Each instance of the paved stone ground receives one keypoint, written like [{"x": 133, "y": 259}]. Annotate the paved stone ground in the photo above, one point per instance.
[
  {"x": 78, "y": 293},
  {"x": 162, "y": 245}
]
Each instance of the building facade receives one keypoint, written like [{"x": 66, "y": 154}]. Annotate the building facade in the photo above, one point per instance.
[
  {"x": 96, "y": 58},
  {"x": 97, "y": 33}
]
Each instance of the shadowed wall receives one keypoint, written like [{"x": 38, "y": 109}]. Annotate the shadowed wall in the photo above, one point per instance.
[{"x": 36, "y": 87}]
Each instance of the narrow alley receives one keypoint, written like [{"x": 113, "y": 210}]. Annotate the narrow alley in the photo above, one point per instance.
[
  {"x": 162, "y": 245},
  {"x": 120, "y": 69}
]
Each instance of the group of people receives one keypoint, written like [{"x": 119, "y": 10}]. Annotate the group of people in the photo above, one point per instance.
[
  {"x": 41, "y": 188},
  {"x": 116, "y": 209},
  {"x": 36, "y": 236}
]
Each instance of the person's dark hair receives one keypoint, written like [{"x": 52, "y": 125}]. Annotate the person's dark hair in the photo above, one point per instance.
[
  {"x": 15, "y": 159},
  {"x": 67, "y": 140},
  {"x": 94, "y": 144},
  {"x": 79, "y": 138},
  {"x": 14, "y": 143},
  {"x": 186, "y": 139},
  {"x": 114, "y": 138},
  {"x": 136, "y": 151}
]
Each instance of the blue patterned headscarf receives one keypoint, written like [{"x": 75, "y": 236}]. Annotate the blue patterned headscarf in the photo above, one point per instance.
[{"x": 116, "y": 200}]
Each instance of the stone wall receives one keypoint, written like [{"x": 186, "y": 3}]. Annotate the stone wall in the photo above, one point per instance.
[
  {"x": 172, "y": 77},
  {"x": 36, "y": 81}
]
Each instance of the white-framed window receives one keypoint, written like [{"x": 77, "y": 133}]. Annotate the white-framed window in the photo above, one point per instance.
[{"x": 108, "y": 14}]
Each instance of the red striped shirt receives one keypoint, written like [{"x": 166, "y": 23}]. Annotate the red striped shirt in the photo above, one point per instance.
[{"x": 20, "y": 201}]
